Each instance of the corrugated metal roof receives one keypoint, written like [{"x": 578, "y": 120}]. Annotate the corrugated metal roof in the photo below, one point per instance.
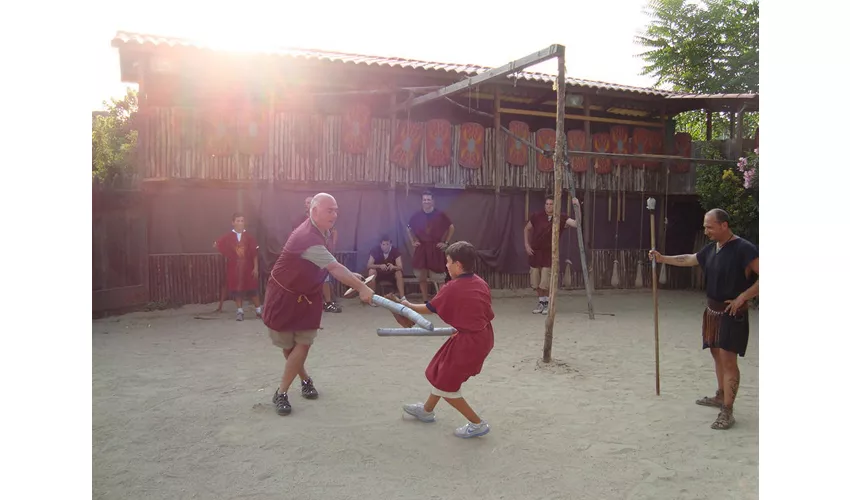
[{"x": 128, "y": 39}]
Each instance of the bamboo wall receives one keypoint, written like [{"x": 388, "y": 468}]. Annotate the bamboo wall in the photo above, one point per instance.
[{"x": 171, "y": 146}]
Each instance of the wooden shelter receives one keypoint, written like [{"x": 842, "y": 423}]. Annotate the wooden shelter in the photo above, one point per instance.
[{"x": 226, "y": 131}]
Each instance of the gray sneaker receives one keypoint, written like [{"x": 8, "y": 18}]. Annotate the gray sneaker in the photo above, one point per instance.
[
  {"x": 418, "y": 411},
  {"x": 240, "y": 316},
  {"x": 545, "y": 310},
  {"x": 471, "y": 430},
  {"x": 538, "y": 309}
]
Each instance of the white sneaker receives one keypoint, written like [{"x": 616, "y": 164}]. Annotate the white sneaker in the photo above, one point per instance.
[
  {"x": 545, "y": 310},
  {"x": 418, "y": 411},
  {"x": 471, "y": 430},
  {"x": 538, "y": 309}
]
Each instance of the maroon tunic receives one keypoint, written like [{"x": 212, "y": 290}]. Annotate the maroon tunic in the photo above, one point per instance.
[
  {"x": 239, "y": 255},
  {"x": 429, "y": 229},
  {"x": 465, "y": 304},
  {"x": 294, "y": 291},
  {"x": 378, "y": 257},
  {"x": 541, "y": 238}
]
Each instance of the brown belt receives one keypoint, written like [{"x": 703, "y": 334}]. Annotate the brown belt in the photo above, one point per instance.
[{"x": 300, "y": 296}]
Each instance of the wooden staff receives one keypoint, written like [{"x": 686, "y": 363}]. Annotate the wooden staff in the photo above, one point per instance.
[{"x": 650, "y": 205}]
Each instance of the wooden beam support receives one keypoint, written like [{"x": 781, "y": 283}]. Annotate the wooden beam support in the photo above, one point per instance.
[
  {"x": 560, "y": 161},
  {"x": 598, "y": 119},
  {"x": 512, "y": 67}
]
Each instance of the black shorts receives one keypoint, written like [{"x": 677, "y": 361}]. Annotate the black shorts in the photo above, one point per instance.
[{"x": 733, "y": 334}]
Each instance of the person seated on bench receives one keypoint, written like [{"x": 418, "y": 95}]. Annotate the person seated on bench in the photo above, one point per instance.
[{"x": 385, "y": 263}]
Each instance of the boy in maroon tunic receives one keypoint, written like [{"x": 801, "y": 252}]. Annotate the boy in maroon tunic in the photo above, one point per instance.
[
  {"x": 240, "y": 251},
  {"x": 430, "y": 231},
  {"x": 385, "y": 264},
  {"x": 538, "y": 246},
  {"x": 293, "y": 310},
  {"x": 465, "y": 304}
]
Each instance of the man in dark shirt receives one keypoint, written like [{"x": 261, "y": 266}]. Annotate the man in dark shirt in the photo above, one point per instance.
[
  {"x": 730, "y": 265},
  {"x": 385, "y": 263}
]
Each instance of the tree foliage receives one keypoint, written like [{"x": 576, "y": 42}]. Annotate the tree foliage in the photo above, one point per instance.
[
  {"x": 113, "y": 142},
  {"x": 721, "y": 186},
  {"x": 704, "y": 46}
]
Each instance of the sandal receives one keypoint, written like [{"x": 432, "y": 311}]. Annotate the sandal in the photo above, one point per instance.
[
  {"x": 716, "y": 400},
  {"x": 725, "y": 420}
]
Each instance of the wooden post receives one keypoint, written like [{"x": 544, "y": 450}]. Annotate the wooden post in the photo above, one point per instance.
[
  {"x": 650, "y": 204},
  {"x": 708, "y": 125},
  {"x": 391, "y": 166},
  {"x": 500, "y": 150},
  {"x": 589, "y": 189},
  {"x": 560, "y": 148}
]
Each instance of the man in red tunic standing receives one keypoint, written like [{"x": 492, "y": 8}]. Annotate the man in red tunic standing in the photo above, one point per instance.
[
  {"x": 430, "y": 232},
  {"x": 538, "y": 246},
  {"x": 293, "y": 309},
  {"x": 240, "y": 250}
]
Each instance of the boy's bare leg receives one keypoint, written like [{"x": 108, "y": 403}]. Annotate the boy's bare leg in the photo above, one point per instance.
[
  {"x": 326, "y": 291},
  {"x": 256, "y": 300},
  {"x": 294, "y": 365},
  {"x": 463, "y": 407},
  {"x": 431, "y": 403}
]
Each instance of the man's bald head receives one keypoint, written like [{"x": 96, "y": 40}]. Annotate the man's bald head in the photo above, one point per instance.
[
  {"x": 716, "y": 225},
  {"x": 323, "y": 211}
]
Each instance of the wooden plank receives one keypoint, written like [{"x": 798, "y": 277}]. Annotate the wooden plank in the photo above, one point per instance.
[
  {"x": 586, "y": 118},
  {"x": 512, "y": 67}
]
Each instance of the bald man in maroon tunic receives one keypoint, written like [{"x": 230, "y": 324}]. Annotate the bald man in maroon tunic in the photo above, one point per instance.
[
  {"x": 538, "y": 246},
  {"x": 430, "y": 231},
  {"x": 327, "y": 293},
  {"x": 293, "y": 308}
]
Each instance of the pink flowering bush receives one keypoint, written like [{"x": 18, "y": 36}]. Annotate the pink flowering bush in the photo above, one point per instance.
[{"x": 749, "y": 167}]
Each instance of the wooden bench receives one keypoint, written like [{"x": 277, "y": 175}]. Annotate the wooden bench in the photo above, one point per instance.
[{"x": 384, "y": 287}]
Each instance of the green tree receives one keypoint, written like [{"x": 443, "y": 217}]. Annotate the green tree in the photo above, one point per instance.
[
  {"x": 722, "y": 186},
  {"x": 113, "y": 142},
  {"x": 707, "y": 47}
]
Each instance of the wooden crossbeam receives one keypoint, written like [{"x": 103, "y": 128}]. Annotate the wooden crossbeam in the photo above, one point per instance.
[{"x": 510, "y": 68}]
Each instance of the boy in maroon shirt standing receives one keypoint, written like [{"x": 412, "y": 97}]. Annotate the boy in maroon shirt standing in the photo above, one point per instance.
[{"x": 466, "y": 305}]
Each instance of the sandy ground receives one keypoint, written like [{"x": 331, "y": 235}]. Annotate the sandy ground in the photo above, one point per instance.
[{"x": 182, "y": 409}]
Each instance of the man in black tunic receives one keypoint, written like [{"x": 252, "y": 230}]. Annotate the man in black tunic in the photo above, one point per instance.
[{"x": 730, "y": 265}]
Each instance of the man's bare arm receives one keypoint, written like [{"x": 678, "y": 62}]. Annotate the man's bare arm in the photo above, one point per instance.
[
  {"x": 753, "y": 291},
  {"x": 346, "y": 277},
  {"x": 685, "y": 260},
  {"x": 371, "y": 263},
  {"x": 449, "y": 233}
]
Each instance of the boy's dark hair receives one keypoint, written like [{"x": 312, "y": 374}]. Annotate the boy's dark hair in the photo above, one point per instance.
[
  {"x": 386, "y": 237},
  {"x": 549, "y": 197},
  {"x": 235, "y": 215},
  {"x": 463, "y": 252},
  {"x": 427, "y": 192}
]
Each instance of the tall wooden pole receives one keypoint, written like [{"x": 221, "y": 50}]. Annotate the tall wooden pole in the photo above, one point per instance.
[
  {"x": 650, "y": 205},
  {"x": 560, "y": 147}
]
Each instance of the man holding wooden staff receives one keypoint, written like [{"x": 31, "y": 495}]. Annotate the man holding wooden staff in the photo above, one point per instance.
[
  {"x": 293, "y": 308},
  {"x": 538, "y": 246},
  {"x": 731, "y": 267}
]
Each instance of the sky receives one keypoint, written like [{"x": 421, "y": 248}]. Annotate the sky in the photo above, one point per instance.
[{"x": 598, "y": 36}]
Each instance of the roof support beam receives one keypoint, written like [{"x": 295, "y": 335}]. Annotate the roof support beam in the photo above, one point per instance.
[{"x": 507, "y": 69}]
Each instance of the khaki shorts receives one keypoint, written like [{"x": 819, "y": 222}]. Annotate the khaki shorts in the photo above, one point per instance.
[
  {"x": 540, "y": 277},
  {"x": 287, "y": 340},
  {"x": 427, "y": 273}
]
